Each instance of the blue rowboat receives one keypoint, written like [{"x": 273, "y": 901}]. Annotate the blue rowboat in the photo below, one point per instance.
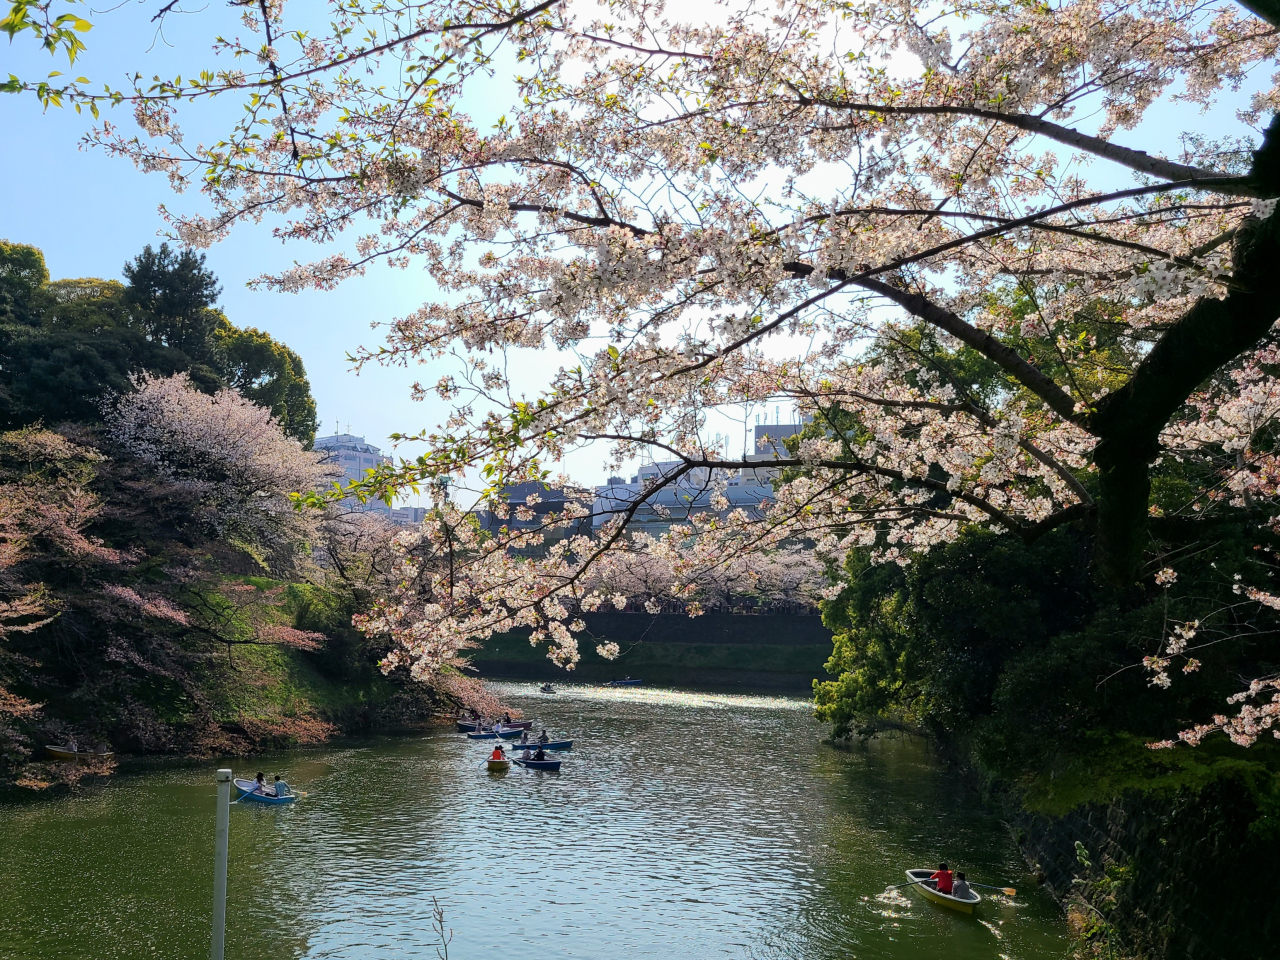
[
  {"x": 550, "y": 745},
  {"x": 624, "y": 683},
  {"x": 537, "y": 764},
  {"x": 505, "y": 735},
  {"x": 469, "y": 726},
  {"x": 246, "y": 788}
]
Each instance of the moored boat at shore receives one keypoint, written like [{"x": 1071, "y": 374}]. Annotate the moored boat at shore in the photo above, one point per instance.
[
  {"x": 922, "y": 883},
  {"x": 75, "y": 755}
]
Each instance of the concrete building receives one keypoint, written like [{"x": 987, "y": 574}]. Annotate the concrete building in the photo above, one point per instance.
[
  {"x": 550, "y": 500},
  {"x": 355, "y": 455},
  {"x": 744, "y": 489}
]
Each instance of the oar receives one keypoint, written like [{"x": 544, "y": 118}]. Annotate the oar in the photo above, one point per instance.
[
  {"x": 907, "y": 884},
  {"x": 1007, "y": 891}
]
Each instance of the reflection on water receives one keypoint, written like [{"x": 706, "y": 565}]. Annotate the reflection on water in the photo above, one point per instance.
[{"x": 682, "y": 825}]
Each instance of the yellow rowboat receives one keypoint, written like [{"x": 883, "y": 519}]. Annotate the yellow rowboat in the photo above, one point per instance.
[
  {"x": 78, "y": 756},
  {"x": 498, "y": 765},
  {"x": 930, "y": 889}
]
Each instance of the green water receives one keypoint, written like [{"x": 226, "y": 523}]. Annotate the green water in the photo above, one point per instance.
[{"x": 682, "y": 825}]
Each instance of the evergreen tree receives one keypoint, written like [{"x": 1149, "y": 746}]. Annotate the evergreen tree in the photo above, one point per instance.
[{"x": 171, "y": 297}]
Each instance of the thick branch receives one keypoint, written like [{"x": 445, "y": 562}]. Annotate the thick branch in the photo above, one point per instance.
[
  {"x": 1268, "y": 10},
  {"x": 920, "y": 306},
  {"x": 1138, "y": 160},
  {"x": 1128, "y": 422}
]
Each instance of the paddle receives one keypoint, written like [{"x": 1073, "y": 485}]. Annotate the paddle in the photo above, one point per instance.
[
  {"x": 1007, "y": 891},
  {"x": 908, "y": 884}
]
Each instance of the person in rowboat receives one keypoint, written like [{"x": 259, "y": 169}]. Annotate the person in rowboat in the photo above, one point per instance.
[
  {"x": 524, "y": 737},
  {"x": 506, "y": 719},
  {"x": 542, "y": 737},
  {"x": 498, "y": 753},
  {"x": 960, "y": 889},
  {"x": 540, "y": 755},
  {"x": 943, "y": 876},
  {"x": 526, "y": 755},
  {"x": 260, "y": 785},
  {"x": 282, "y": 789}
]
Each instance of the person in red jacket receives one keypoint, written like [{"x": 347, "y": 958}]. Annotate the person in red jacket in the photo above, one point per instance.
[
  {"x": 499, "y": 755},
  {"x": 943, "y": 876}
]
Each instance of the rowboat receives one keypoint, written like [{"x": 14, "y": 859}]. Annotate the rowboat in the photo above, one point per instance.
[
  {"x": 491, "y": 735},
  {"x": 548, "y": 688},
  {"x": 945, "y": 899},
  {"x": 498, "y": 765},
  {"x": 538, "y": 764},
  {"x": 628, "y": 682},
  {"x": 78, "y": 756},
  {"x": 246, "y": 788},
  {"x": 468, "y": 726},
  {"x": 549, "y": 745}
]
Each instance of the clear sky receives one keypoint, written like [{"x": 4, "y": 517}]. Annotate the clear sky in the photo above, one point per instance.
[{"x": 89, "y": 213}]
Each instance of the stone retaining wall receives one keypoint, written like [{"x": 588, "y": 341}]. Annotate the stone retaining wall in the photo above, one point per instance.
[{"x": 1187, "y": 876}]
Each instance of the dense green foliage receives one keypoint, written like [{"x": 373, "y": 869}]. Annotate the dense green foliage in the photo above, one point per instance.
[
  {"x": 65, "y": 345},
  {"x": 1016, "y": 650}
]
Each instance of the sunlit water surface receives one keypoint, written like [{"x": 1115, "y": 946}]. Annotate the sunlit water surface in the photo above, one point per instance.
[{"x": 682, "y": 825}]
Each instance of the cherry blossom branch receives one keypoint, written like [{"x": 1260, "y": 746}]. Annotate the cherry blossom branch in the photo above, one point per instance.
[{"x": 1137, "y": 160}]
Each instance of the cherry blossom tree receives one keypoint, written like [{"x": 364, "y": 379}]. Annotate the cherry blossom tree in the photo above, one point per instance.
[
  {"x": 44, "y": 507},
  {"x": 841, "y": 206},
  {"x": 229, "y": 455}
]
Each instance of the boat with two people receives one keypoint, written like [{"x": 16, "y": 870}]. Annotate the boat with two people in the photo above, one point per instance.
[
  {"x": 547, "y": 688},
  {"x": 257, "y": 791},
  {"x": 498, "y": 760},
  {"x": 963, "y": 901},
  {"x": 533, "y": 756}
]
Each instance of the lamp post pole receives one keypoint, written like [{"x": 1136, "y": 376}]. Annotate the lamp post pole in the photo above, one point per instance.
[{"x": 220, "y": 865}]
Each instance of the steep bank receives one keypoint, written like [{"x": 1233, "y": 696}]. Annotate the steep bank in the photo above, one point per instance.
[
  {"x": 1170, "y": 867},
  {"x": 715, "y": 649}
]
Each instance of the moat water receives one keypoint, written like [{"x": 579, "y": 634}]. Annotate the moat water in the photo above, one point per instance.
[{"x": 682, "y": 825}]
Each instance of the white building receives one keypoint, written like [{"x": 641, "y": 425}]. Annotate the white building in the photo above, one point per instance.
[
  {"x": 355, "y": 455},
  {"x": 745, "y": 489}
]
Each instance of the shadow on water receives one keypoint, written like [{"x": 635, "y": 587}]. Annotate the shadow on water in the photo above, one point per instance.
[{"x": 683, "y": 824}]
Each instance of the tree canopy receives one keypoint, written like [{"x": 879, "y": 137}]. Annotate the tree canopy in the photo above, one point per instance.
[
  {"x": 65, "y": 345},
  {"x": 749, "y": 205}
]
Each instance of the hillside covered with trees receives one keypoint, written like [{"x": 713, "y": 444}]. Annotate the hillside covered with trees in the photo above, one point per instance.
[{"x": 159, "y": 592}]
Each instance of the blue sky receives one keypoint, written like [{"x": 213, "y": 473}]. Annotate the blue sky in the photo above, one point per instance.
[{"x": 90, "y": 213}]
